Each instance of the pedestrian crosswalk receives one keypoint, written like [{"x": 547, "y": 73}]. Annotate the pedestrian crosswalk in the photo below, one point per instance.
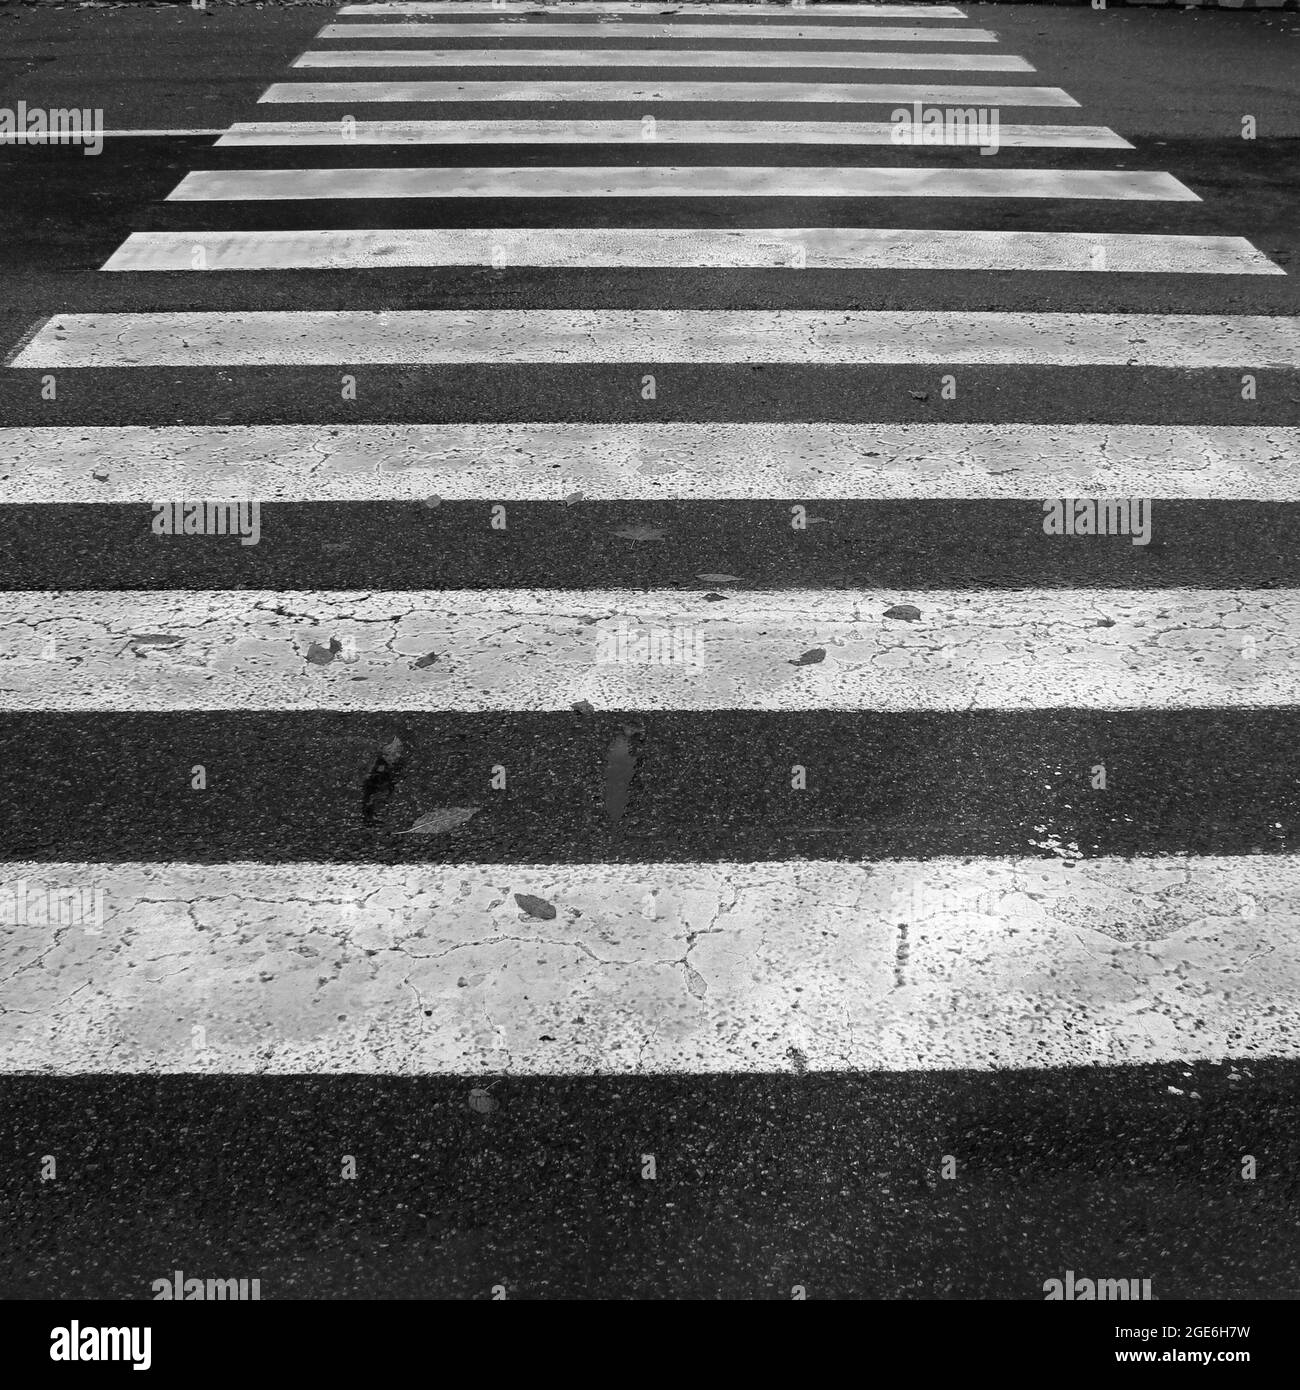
[{"x": 731, "y": 703}]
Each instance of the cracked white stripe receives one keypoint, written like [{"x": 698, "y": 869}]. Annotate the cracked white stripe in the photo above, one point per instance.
[
  {"x": 641, "y": 89},
  {"x": 667, "y": 131},
  {"x": 694, "y": 967},
  {"x": 864, "y": 14},
  {"x": 811, "y": 248},
  {"x": 656, "y": 336},
  {"x": 666, "y": 181},
  {"x": 657, "y": 58},
  {"x": 518, "y": 649},
  {"x": 552, "y": 462},
  {"x": 653, "y": 26}
]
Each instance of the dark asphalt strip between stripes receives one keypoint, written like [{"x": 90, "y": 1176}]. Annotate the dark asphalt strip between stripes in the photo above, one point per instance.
[
  {"x": 600, "y": 392},
  {"x": 898, "y": 544},
  {"x": 761, "y": 1183},
  {"x": 711, "y": 785}
]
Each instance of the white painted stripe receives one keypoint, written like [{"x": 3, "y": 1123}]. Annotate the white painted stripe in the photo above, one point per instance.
[
  {"x": 650, "y": 28},
  {"x": 864, "y": 14},
  {"x": 538, "y": 650},
  {"x": 645, "y": 462},
  {"x": 655, "y": 58},
  {"x": 667, "y": 181},
  {"x": 814, "y": 248},
  {"x": 795, "y": 336},
  {"x": 645, "y": 89},
  {"x": 682, "y": 967},
  {"x": 29, "y": 138},
  {"x": 667, "y": 131}
]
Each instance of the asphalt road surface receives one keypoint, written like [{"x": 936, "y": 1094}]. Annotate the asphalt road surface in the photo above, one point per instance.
[{"x": 738, "y": 732}]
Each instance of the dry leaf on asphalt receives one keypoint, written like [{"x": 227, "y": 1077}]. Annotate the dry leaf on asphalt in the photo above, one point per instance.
[{"x": 439, "y": 821}]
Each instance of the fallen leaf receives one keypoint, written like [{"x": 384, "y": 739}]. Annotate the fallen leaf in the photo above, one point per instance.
[
  {"x": 481, "y": 1102},
  {"x": 906, "y": 611},
  {"x": 440, "y": 821},
  {"x": 322, "y": 656},
  {"x": 432, "y": 502},
  {"x": 639, "y": 533},
  {"x": 811, "y": 658},
  {"x": 392, "y": 752},
  {"x": 535, "y": 907},
  {"x": 719, "y": 578},
  {"x": 155, "y": 639},
  {"x": 919, "y": 395},
  {"x": 100, "y": 477},
  {"x": 422, "y": 662},
  {"x": 584, "y": 707},
  {"x": 572, "y": 498},
  {"x": 715, "y": 598}
]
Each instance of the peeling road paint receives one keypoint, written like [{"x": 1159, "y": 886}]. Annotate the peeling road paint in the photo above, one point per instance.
[
  {"x": 794, "y": 336},
  {"x": 694, "y": 968},
  {"x": 547, "y": 462},
  {"x": 522, "y": 649}
]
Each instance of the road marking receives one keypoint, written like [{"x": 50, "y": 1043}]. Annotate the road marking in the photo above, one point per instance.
[
  {"x": 539, "y": 649},
  {"x": 641, "y": 90},
  {"x": 667, "y": 131},
  {"x": 645, "y": 462},
  {"x": 45, "y": 137},
  {"x": 435, "y": 969},
  {"x": 861, "y": 13},
  {"x": 656, "y": 58},
  {"x": 813, "y": 248},
  {"x": 653, "y": 28},
  {"x": 666, "y": 181},
  {"x": 796, "y": 336}
]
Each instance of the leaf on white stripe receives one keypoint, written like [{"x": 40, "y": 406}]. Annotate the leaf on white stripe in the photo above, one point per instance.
[
  {"x": 322, "y": 656},
  {"x": 536, "y": 907}
]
